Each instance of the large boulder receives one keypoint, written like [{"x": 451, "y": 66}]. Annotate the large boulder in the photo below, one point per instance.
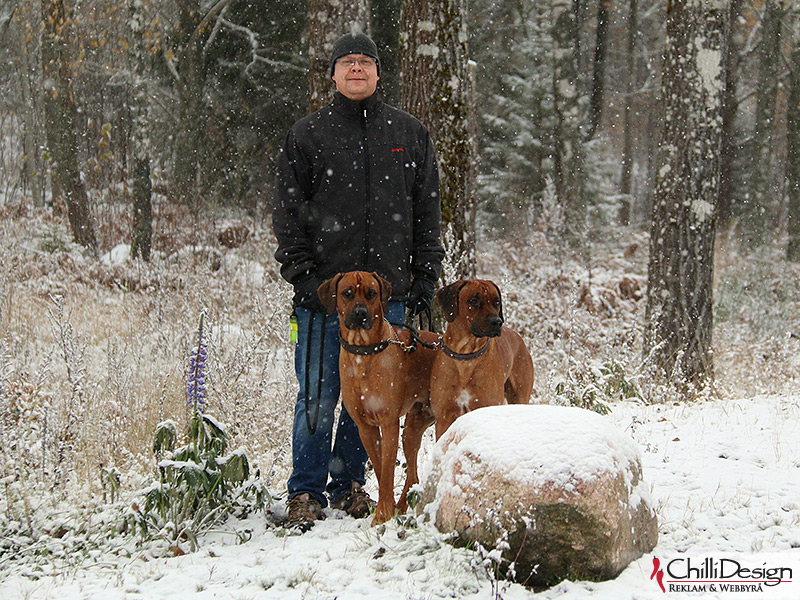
[{"x": 557, "y": 491}]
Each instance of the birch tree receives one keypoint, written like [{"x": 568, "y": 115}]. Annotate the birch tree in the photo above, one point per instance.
[
  {"x": 678, "y": 325},
  {"x": 435, "y": 87}
]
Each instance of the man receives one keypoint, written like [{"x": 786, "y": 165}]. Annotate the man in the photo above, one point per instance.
[{"x": 357, "y": 189}]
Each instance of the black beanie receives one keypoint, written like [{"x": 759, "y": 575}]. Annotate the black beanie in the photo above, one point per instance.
[{"x": 354, "y": 43}]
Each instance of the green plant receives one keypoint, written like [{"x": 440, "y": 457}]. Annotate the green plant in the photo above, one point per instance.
[
  {"x": 594, "y": 386},
  {"x": 198, "y": 484}
]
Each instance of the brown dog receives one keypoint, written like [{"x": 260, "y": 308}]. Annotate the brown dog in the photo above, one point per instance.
[
  {"x": 382, "y": 379},
  {"x": 481, "y": 363}
]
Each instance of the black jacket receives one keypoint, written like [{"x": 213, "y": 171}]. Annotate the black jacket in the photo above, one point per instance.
[{"x": 358, "y": 189}]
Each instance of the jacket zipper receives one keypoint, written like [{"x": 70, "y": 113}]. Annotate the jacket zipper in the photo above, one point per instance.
[{"x": 368, "y": 207}]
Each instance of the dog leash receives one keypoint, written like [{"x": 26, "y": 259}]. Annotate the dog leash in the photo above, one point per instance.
[
  {"x": 415, "y": 339},
  {"x": 312, "y": 429}
]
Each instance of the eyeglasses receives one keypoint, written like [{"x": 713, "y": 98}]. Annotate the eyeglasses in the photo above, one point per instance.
[{"x": 349, "y": 63}]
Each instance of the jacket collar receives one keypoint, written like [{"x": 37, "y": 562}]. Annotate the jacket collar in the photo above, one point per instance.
[{"x": 354, "y": 109}]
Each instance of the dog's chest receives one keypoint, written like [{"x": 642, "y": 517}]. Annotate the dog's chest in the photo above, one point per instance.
[{"x": 371, "y": 382}]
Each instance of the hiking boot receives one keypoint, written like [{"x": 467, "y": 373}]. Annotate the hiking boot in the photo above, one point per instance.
[
  {"x": 303, "y": 511},
  {"x": 356, "y": 502}
]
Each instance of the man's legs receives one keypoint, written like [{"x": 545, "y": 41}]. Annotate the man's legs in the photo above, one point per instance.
[{"x": 311, "y": 452}]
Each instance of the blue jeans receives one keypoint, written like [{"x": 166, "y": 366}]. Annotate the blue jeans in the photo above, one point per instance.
[{"x": 313, "y": 457}]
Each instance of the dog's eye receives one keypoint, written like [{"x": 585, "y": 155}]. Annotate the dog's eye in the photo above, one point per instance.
[
  {"x": 475, "y": 301},
  {"x": 371, "y": 294},
  {"x": 496, "y": 303},
  {"x": 348, "y": 293}
]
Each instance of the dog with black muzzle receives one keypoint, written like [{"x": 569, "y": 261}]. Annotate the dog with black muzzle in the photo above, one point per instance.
[
  {"x": 385, "y": 374},
  {"x": 482, "y": 362}
]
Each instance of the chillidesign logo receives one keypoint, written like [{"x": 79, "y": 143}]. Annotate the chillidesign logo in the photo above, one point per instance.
[
  {"x": 398, "y": 149},
  {"x": 658, "y": 574},
  {"x": 717, "y": 575}
]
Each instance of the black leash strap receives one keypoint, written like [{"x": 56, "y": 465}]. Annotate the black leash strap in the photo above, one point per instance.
[
  {"x": 312, "y": 428},
  {"x": 415, "y": 339}
]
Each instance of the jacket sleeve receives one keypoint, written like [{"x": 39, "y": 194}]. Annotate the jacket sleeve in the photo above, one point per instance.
[
  {"x": 428, "y": 253},
  {"x": 292, "y": 194}
]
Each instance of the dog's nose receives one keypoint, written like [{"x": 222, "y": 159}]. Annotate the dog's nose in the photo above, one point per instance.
[
  {"x": 495, "y": 325},
  {"x": 359, "y": 317}
]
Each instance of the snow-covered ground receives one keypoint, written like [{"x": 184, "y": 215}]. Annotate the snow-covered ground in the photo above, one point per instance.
[{"x": 724, "y": 478}]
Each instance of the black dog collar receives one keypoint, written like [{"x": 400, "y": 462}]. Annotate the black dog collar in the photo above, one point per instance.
[{"x": 470, "y": 356}]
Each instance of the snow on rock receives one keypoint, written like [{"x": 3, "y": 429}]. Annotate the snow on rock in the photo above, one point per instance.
[
  {"x": 557, "y": 490},
  {"x": 118, "y": 255}
]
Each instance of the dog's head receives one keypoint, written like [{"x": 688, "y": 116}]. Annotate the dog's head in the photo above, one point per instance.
[
  {"x": 359, "y": 297},
  {"x": 478, "y": 303}
]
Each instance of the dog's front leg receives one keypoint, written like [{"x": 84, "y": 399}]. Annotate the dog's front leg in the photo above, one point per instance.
[
  {"x": 371, "y": 439},
  {"x": 390, "y": 434},
  {"x": 417, "y": 421}
]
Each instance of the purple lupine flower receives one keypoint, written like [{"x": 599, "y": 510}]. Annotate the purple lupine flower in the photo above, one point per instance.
[{"x": 196, "y": 373}]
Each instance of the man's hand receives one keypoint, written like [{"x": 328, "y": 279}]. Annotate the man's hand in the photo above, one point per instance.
[
  {"x": 305, "y": 294},
  {"x": 420, "y": 296}
]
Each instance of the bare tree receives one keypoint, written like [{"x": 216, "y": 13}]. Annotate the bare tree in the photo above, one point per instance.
[
  {"x": 140, "y": 139},
  {"x": 730, "y": 107},
  {"x": 793, "y": 149},
  {"x": 435, "y": 86},
  {"x": 61, "y": 120},
  {"x": 761, "y": 174},
  {"x": 626, "y": 176},
  {"x": 327, "y": 20},
  {"x": 598, "y": 74},
  {"x": 678, "y": 322},
  {"x": 189, "y": 70}
]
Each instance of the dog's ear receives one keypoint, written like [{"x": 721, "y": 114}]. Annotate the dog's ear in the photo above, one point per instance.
[
  {"x": 448, "y": 300},
  {"x": 386, "y": 292},
  {"x": 327, "y": 293},
  {"x": 499, "y": 295}
]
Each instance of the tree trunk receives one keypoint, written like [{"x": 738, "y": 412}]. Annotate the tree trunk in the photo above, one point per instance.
[
  {"x": 190, "y": 83},
  {"x": 598, "y": 75},
  {"x": 435, "y": 88},
  {"x": 730, "y": 105},
  {"x": 793, "y": 153},
  {"x": 386, "y": 34},
  {"x": 567, "y": 141},
  {"x": 60, "y": 121},
  {"x": 140, "y": 142},
  {"x": 763, "y": 187},
  {"x": 327, "y": 21},
  {"x": 678, "y": 320},
  {"x": 626, "y": 176},
  {"x": 29, "y": 75}
]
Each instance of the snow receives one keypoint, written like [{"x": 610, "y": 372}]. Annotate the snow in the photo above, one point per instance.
[
  {"x": 724, "y": 477},
  {"x": 536, "y": 450},
  {"x": 118, "y": 255}
]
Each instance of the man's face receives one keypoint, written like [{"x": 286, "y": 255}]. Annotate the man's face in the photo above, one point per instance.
[{"x": 356, "y": 76}]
